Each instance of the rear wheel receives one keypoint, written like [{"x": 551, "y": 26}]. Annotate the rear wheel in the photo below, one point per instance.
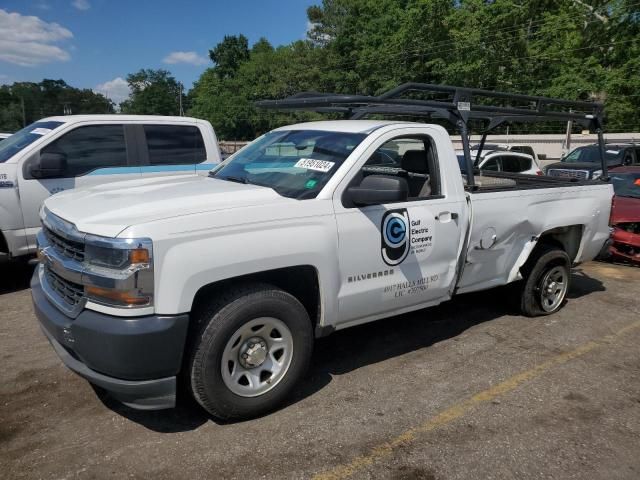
[
  {"x": 253, "y": 345},
  {"x": 546, "y": 282}
]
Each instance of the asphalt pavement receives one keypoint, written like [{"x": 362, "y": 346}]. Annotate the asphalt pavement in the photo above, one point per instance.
[{"x": 466, "y": 390}]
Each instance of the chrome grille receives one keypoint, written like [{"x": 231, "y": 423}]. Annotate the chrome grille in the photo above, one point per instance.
[
  {"x": 69, "y": 248},
  {"x": 71, "y": 293},
  {"x": 568, "y": 173}
]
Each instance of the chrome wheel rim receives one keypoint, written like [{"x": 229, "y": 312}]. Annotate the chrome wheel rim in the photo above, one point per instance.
[
  {"x": 257, "y": 357},
  {"x": 553, "y": 289}
]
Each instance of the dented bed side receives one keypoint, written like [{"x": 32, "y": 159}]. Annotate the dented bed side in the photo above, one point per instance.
[{"x": 507, "y": 226}]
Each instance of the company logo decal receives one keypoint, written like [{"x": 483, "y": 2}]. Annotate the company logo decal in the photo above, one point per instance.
[{"x": 395, "y": 236}]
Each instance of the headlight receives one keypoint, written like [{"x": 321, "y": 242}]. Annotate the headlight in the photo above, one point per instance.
[
  {"x": 596, "y": 174},
  {"x": 106, "y": 257},
  {"x": 118, "y": 258},
  {"x": 119, "y": 272}
]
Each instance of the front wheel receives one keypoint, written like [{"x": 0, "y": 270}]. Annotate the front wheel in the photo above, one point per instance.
[
  {"x": 546, "y": 282},
  {"x": 254, "y": 345}
]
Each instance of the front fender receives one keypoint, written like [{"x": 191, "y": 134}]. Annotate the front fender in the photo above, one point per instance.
[{"x": 187, "y": 262}]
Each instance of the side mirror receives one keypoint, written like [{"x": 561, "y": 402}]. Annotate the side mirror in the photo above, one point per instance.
[
  {"x": 542, "y": 156},
  {"x": 50, "y": 165},
  {"x": 379, "y": 189}
]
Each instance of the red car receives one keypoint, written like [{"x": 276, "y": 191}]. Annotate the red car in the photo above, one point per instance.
[{"x": 625, "y": 215}]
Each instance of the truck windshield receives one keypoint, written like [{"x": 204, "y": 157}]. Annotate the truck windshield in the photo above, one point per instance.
[
  {"x": 591, "y": 154},
  {"x": 295, "y": 163},
  {"x": 626, "y": 184},
  {"x": 22, "y": 138}
]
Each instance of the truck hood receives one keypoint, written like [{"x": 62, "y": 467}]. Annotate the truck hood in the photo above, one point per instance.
[{"x": 107, "y": 210}]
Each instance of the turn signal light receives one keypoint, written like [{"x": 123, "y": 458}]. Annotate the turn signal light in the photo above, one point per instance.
[
  {"x": 123, "y": 298},
  {"x": 139, "y": 255}
]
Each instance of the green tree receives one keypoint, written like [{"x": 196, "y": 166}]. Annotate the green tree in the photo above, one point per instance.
[
  {"x": 229, "y": 54},
  {"x": 228, "y": 102},
  {"x": 262, "y": 46},
  {"x": 44, "y": 99},
  {"x": 153, "y": 92},
  {"x": 575, "y": 49}
]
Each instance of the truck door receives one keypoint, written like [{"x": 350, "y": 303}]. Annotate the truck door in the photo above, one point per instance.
[
  {"x": 92, "y": 155},
  {"x": 402, "y": 255}
]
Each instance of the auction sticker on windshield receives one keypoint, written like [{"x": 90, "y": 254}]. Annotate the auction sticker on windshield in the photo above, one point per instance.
[{"x": 317, "y": 165}]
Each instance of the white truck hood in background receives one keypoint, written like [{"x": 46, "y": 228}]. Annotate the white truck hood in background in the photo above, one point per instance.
[{"x": 107, "y": 210}]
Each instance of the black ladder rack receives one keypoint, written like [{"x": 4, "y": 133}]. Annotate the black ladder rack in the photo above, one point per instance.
[{"x": 460, "y": 105}]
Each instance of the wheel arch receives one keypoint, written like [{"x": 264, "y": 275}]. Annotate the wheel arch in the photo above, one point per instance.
[
  {"x": 301, "y": 281},
  {"x": 568, "y": 238}
]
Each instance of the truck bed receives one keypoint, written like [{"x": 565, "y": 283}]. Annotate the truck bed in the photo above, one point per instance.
[{"x": 508, "y": 220}]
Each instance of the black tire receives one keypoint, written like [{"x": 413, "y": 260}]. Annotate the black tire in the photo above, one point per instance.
[
  {"x": 545, "y": 259},
  {"x": 217, "y": 321}
]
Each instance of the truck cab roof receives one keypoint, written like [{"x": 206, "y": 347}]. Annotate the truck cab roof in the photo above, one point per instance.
[{"x": 120, "y": 118}]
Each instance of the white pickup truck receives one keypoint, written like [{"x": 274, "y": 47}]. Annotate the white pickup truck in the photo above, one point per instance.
[
  {"x": 225, "y": 280},
  {"x": 61, "y": 153}
]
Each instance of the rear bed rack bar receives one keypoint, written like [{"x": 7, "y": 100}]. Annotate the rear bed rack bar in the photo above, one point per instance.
[{"x": 460, "y": 105}]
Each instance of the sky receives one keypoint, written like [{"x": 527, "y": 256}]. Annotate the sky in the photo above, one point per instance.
[{"x": 96, "y": 43}]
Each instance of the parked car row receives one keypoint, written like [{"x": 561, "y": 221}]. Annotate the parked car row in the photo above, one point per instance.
[
  {"x": 59, "y": 153},
  {"x": 583, "y": 162},
  {"x": 623, "y": 164}
]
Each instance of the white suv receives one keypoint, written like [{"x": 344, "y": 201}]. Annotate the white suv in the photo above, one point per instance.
[{"x": 502, "y": 161}]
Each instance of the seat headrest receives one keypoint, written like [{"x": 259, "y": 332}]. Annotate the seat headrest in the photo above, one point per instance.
[{"x": 415, "y": 161}]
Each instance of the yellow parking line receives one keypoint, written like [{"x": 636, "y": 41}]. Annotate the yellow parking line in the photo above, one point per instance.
[{"x": 458, "y": 410}]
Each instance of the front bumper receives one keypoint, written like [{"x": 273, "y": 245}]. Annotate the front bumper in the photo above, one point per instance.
[
  {"x": 136, "y": 359},
  {"x": 625, "y": 246}
]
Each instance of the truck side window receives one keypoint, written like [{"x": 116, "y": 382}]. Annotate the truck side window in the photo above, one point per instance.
[
  {"x": 174, "y": 144},
  {"x": 412, "y": 158},
  {"x": 89, "y": 148}
]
